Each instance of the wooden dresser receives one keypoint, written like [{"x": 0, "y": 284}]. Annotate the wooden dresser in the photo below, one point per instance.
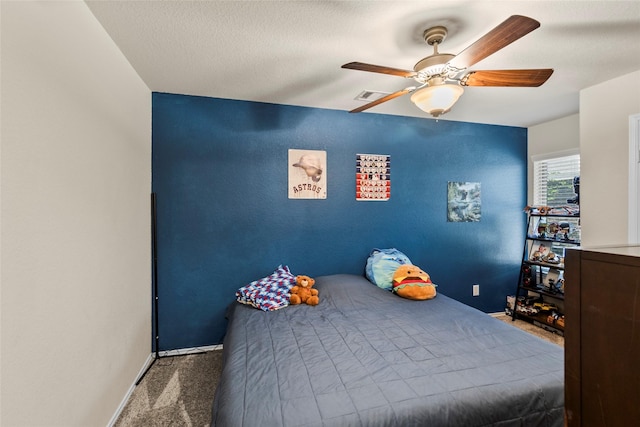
[{"x": 602, "y": 336}]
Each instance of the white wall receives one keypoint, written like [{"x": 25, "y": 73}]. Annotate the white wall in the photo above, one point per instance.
[
  {"x": 555, "y": 137},
  {"x": 604, "y": 165},
  {"x": 75, "y": 183}
]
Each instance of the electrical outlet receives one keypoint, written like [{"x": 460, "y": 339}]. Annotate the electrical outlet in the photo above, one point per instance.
[{"x": 476, "y": 289}]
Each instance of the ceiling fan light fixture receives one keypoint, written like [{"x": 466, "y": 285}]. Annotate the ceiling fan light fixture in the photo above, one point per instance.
[
  {"x": 437, "y": 100},
  {"x": 439, "y": 75},
  {"x": 433, "y": 65}
]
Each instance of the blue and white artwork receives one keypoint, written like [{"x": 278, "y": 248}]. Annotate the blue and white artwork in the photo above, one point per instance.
[{"x": 463, "y": 202}]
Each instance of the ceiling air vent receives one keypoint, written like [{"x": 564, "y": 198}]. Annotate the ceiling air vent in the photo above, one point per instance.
[{"x": 370, "y": 95}]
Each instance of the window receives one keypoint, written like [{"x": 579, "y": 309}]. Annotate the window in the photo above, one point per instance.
[
  {"x": 553, "y": 185},
  {"x": 553, "y": 180}
]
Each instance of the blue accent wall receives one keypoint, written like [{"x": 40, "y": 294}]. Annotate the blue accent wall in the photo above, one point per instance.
[{"x": 220, "y": 172}]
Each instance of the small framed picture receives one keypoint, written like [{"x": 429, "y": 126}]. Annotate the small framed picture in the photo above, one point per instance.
[
  {"x": 307, "y": 174},
  {"x": 539, "y": 251},
  {"x": 463, "y": 202}
]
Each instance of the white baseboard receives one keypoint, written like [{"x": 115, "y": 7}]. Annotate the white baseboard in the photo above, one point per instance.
[
  {"x": 190, "y": 350},
  {"x": 124, "y": 401},
  {"x": 499, "y": 313},
  {"x": 145, "y": 366}
]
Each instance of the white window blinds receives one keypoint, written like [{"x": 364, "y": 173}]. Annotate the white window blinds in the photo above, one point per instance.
[{"x": 553, "y": 180}]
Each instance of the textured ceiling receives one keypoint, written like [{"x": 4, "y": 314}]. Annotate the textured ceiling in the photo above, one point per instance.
[{"x": 290, "y": 52}]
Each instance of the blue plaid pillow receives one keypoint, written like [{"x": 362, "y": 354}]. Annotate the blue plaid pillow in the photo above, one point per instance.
[{"x": 269, "y": 293}]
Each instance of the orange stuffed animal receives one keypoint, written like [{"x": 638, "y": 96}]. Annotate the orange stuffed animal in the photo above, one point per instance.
[
  {"x": 302, "y": 292},
  {"x": 411, "y": 282}
]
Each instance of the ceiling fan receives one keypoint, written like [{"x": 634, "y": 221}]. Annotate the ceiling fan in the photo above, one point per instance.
[{"x": 441, "y": 76}]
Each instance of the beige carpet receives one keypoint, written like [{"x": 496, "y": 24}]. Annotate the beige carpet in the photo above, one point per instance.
[
  {"x": 178, "y": 391},
  {"x": 532, "y": 329}
]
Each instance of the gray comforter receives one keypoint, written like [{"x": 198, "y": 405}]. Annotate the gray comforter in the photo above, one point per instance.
[{"x": 366, "y": 357}]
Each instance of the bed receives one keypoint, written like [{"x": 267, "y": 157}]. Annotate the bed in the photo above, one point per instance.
[{"x": 366, "y": 357}]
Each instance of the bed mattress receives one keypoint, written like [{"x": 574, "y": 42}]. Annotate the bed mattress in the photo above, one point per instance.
[{"x": 366, "y": 357}]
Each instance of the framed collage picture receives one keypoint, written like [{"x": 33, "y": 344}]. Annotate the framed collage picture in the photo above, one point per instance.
[{"x": 373, "y": 177}]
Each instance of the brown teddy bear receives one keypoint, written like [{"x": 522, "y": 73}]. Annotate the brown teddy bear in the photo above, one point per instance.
[{"x": 302, "y": 292}]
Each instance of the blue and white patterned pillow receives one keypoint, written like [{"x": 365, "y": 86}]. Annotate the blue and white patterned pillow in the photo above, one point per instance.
[
  {"x": 382, "y": 264},
  {"x": 269, "y": 293}
]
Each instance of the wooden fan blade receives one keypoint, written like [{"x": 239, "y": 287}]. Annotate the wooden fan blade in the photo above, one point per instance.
[
  {"x": 517, "y": 78},
  {"x": 504, "y": 34},
  {"x": 379, "y": 69},
  {"x": 383, "y": 99}
]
